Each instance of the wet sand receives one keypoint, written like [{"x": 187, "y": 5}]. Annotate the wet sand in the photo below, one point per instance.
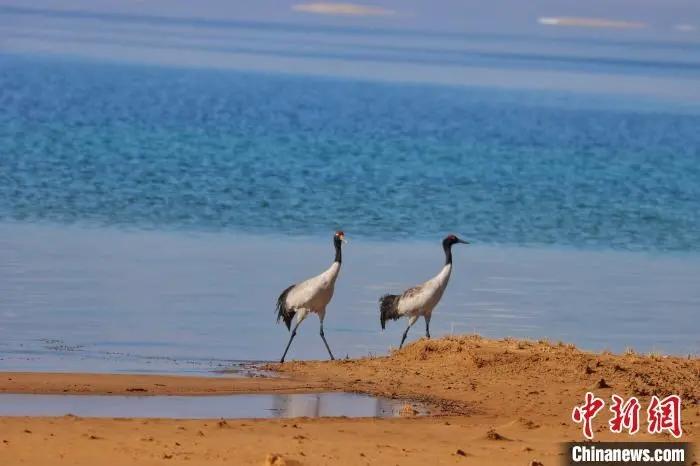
[{"x": 502, "y": 402}]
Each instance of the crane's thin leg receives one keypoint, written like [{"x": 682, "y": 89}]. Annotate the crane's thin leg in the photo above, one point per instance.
[
  {"x": 325, "y": 342},
  {"x": 427, "y": 327},
  {"x": 411, "y": 321},
  {"x": 294, "y": 333},
  {"x": 403, "y": 338}
]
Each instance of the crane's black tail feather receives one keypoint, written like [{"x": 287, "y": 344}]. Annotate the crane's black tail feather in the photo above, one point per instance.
[
  {"x": 388, "y": 308},
  {"x": 284, "y": 312}
]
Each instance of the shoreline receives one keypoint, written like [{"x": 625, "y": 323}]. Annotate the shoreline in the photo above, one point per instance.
[
  {"x": 500, "y": 402},
  {"x": 73, "y": 383}
]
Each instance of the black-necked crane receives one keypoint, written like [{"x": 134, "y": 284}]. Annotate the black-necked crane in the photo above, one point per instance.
[
  {"x": 419, "y": 300},
  {"x": 312, "y": 295}
]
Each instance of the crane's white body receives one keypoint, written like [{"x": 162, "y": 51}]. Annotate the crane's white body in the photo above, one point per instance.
[
  {"x": 422, "y": 299},
  {"x": 314, "y": 294}
]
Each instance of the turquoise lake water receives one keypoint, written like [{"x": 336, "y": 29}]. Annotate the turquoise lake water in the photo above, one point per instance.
[{"x": 159, "y": 148}]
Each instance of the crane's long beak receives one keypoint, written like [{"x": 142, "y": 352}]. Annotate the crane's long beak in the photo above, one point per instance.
[
  {"x": 462, "y": 241},
  {"x": 344, "y": 240}
]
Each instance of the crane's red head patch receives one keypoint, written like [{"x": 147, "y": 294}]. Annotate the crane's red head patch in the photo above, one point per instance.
[
  {"x": 339, "y": 237},
  {"x": 452, "y": 239}
]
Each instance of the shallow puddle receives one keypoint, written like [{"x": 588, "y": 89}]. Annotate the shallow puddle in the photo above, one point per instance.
[{"x": 203, "y": 407}]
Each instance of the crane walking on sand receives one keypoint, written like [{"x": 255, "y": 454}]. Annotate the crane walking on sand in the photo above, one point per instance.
[
  {"x": 422, "y": 299},
  {"x": 312, "y": 295}
]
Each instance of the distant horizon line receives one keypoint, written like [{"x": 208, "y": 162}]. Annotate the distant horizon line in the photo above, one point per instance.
[{"x": 301, "y": 26}]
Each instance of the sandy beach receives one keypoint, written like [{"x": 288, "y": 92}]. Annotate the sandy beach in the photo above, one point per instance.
[{"x": 503, "y": 402}]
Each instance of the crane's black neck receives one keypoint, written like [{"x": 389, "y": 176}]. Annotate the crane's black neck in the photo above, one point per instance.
[
  {"x": 338, "y": 250},
  {"x": 447, "y": 247}
]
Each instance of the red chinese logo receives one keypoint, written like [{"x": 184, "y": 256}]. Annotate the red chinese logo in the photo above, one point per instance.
[
  {"x": 665, "y": 415},
  {"x": 625, "y": 415},
  {"x": 662, "y": 415},
  {"x": 587, "y": 412}
]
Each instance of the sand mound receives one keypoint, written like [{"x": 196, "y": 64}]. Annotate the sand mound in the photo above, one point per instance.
[
  {"x": 630, "y": 373},
  {"x": 424, "y": 349}
]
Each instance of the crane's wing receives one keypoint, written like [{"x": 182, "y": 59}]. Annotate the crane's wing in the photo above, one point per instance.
[{"x": 285, "y": 312}]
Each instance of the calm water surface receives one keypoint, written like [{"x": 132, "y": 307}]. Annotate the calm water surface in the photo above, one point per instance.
[
  {"x": 106, "y": 300},
  {"x": 201, "y": 407}
]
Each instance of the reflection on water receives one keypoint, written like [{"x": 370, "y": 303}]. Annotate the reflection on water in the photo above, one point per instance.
[
  {"x": 201, "y": 407},
  {"x": 333, "y": 404}
]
